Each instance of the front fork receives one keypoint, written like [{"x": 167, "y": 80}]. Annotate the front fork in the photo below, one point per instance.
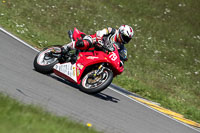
[{"x": 99, "y": 70}]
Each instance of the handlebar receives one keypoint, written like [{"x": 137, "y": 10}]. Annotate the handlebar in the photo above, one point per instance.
[{"x": 107, "y": 47}]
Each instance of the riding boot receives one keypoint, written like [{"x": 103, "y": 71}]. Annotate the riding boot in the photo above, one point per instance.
[
  {"x": 64, "y": 51},
  {"x": 64, "y": 55}
]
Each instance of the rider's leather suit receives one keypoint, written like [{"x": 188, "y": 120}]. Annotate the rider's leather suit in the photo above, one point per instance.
[{"x": 88, "y": 42}]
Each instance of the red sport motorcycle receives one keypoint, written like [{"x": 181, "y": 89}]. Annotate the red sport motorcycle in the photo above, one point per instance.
[{"x": 92, "y": 70}]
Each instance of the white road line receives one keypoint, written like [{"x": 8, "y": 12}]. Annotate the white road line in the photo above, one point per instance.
[
  {"x": 13, "y": 36},
  {"x": 153, "y": 109}
]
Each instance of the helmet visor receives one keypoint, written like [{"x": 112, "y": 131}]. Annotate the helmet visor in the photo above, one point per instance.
[{"x": 125, "y": 38}]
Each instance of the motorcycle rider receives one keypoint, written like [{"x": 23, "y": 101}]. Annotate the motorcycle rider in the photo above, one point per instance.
[{"x": 119, "y": 37}]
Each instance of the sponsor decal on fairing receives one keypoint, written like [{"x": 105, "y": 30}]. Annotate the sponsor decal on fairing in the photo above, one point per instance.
[
  {"x": 79, "y": 65},
  {"x": 68, "y": 69},
  {"x": 92, "y": 57}
]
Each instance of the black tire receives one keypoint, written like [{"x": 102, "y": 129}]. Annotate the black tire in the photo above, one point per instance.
[
  {"x": 100, "y": 88},
  {"x": 45, "y": 69}
]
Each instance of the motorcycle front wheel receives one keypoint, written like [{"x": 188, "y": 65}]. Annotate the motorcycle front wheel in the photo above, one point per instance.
[
  {"x": 94, "y": 84},
  {"x": 44, "y": 61}
]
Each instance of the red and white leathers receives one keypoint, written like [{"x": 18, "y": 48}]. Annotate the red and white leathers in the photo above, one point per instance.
[
  {"x": 119, "y": 37},
  {"x": 88, "y": 41}
]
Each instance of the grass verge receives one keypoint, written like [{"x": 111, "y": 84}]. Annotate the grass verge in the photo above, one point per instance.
[{"x": 18, "y": 118}]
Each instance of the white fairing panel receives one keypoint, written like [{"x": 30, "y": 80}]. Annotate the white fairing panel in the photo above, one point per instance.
[{"x": 68, "y": 69}]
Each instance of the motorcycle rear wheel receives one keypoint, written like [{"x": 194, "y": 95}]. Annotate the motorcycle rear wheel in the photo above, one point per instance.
[
  {"x": 44, "y": 63},
  {"x": 98, "y": 83}
]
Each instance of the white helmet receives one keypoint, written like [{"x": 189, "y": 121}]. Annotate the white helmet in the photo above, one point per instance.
[{"x": 125, "y": 33}]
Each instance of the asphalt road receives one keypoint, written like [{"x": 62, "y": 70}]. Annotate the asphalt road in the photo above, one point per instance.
[{"x": 108, "y": 111}]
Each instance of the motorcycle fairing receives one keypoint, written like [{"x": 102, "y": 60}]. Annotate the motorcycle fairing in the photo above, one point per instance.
[
  {"x": 66, "y": 70},
  {"x": 86, "y": 59},
  {"x": 73, "y": 72}
]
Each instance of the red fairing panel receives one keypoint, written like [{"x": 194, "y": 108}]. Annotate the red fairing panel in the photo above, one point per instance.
[{"x": 86, "y": 59}]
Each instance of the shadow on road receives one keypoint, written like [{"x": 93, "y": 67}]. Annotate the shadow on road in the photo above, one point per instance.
[
  {"x": 63, "y": 81},
  {"x": 106, "y": 97},
  {"x": 101, "y": 95}
]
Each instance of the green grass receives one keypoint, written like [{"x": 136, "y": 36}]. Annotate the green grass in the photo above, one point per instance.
[
  {"x": 18, "y": 118},
  {"x": 164, "y": 56}
]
